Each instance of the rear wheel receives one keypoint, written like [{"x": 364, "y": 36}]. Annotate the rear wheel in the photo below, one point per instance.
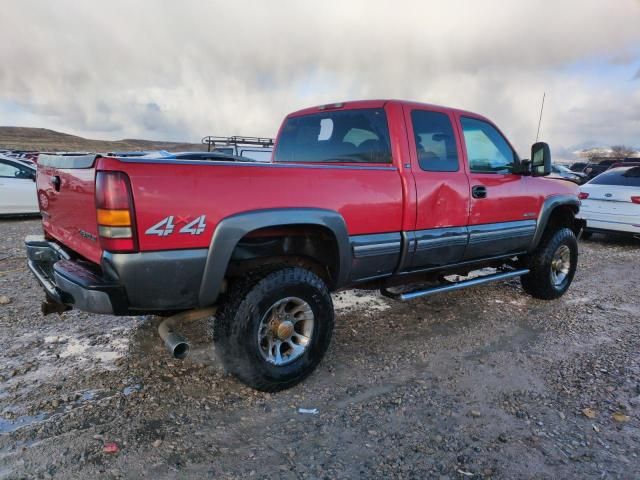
[
  {"x": 552, "y": 265},
  {"x": 273, "y": 329}
]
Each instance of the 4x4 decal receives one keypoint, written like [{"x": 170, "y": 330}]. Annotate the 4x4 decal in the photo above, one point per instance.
[{"x": 166, "y": 226}]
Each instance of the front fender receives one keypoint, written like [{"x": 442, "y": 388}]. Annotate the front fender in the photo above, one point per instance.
[{"x": 548, "y": 206}]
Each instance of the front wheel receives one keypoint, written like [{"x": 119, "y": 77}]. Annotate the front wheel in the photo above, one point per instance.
[
  {"x": 273, "y": 330},
  {"x": 552, "y": 266}
]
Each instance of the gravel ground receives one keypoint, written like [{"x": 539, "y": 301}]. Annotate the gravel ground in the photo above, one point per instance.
[{"x": 480, "y": 383}]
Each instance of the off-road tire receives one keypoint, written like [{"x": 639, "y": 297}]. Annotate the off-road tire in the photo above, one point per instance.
[
  {"x": 538, "y": 283},
  {"x": 235, "y": 327}
]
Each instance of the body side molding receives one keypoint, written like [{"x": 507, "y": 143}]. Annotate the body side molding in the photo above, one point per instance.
[
  {"x": 231, "y": 229},
  {"x": 375, "y": 255}
]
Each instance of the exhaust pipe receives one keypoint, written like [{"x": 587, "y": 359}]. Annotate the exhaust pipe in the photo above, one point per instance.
[{"x": 177, "y": 345}]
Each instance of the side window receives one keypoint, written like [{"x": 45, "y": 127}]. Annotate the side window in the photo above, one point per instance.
[
  {"x": 357, "y": 135},
  {"x": 435, "y": 141},
  {"x": 10, "y": 170},
  {"x": 487, "y": 150}
]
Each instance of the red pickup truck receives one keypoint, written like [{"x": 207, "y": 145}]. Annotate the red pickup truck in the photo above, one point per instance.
[{"x": 367, "y": 194}]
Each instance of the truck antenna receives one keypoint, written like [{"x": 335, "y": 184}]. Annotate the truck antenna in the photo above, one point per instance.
[{"x": 540, "y": 119}]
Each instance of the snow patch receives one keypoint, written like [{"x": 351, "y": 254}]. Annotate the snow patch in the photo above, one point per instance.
[{"x": 359, "y": 299}]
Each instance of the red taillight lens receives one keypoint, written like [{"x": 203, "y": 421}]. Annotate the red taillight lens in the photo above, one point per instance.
[
  {"x": 114, "y": 211},
  {"x": 112, "y": 191},
  {"x": 583, "y": 195},
  {"x": 635, "y": 199}
]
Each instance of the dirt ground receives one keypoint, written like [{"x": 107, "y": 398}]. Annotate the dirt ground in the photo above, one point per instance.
[{"x": 479, "y": 383}]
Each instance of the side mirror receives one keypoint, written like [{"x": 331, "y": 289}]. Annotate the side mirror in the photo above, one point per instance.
[{"x": 540, "y": 159}]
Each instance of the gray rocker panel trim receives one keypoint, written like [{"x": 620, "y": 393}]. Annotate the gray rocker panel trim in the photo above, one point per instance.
[
  {"x": 545, "y": 212},
  {"x": 490, "y": 232},
  {"x": 166, "y": 280},
  {"x": 437, "y": 237},
  {"x": 375, "y": 255},
  {"x": 490, "y": 239},
  {"x": 231, "y": 230},
  {"x": 438, "y": 246}
]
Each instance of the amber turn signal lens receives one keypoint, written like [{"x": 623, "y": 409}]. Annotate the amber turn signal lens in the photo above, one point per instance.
[{"x": 114, "y": 218}]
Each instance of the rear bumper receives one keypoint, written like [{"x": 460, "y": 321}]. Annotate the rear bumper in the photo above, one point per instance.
[
  {"x": 73, "y": 283},
  {"x": 124, "y": 284},
  {"x": 613, "y": 223}
]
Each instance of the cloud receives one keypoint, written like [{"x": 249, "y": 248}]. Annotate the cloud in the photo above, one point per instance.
[{"x": 182, "y": 70}]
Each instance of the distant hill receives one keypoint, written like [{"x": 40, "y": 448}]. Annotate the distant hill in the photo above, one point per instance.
[{"x": 45, "y": 140}]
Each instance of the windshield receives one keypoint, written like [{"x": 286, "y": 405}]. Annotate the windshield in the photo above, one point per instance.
[{"x": 358, "y": 135}]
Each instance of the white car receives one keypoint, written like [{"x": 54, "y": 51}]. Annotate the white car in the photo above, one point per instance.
[
  {"x": 611, "y": 202},
  {"x": 17, "y": 188}
]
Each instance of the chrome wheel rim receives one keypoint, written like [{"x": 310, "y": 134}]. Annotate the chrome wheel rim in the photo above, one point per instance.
[
  {"x": 560, "y": 265},
  {"x": 285, "y": 331}
]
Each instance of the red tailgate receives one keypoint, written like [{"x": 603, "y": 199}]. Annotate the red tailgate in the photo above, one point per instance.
[{"x": 66, "y": 196}]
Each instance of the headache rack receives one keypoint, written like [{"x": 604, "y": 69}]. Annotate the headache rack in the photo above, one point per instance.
[{"x": 214, "y": 142}]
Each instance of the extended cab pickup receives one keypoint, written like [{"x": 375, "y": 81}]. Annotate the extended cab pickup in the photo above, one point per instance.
[{"x": 368, "y": 194}]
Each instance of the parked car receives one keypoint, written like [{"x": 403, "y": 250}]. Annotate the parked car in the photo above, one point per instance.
[
  {"x": 365, "y": 194},
  {"x": 593, "y": 169},
  {"x": 626, "y": 163},
  {"x": 560, "y": 171},
  {"x": 578, "y": 167},
  {"x": 611, "y": 202},
  {"x": 17, "y": 188}
]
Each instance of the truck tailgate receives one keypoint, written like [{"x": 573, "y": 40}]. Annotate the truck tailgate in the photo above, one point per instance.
[{"x": 66, "y": 185}]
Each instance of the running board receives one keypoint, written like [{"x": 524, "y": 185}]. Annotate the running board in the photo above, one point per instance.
[{"x": 454, "y": 286}]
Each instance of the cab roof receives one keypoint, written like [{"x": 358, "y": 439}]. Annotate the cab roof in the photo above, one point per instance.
[{"x": 378, "y": 103}]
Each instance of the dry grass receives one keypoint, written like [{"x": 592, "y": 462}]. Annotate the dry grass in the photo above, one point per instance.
[{"x": 44, "y": 140}]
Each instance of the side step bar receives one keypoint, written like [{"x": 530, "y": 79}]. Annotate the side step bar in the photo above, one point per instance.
[{"x": 454, "y": 286}]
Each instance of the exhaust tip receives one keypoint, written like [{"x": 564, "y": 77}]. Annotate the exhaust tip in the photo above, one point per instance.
[
  {"x": 177, "y": 345},
  {"x": 181, "y": 350}
]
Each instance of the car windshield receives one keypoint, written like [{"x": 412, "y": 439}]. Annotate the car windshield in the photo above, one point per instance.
[
  {"x": 359, "y": 135},
  {"x": 625, "y": 176}
]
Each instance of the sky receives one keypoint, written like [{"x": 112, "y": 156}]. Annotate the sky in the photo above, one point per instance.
[{"x": 180, "y": 70}]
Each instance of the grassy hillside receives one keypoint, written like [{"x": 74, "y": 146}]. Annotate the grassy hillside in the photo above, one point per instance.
[{"x": 44, "y": 140}]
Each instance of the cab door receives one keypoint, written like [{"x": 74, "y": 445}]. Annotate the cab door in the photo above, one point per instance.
[
  {"x": 502, "y": 214},
  {"x": 442, "y": 189}
]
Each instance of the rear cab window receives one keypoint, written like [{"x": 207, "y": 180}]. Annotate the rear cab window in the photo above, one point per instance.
[
  {"x": 627, "y": 177},
  {"x": 356, "y": 135},
  {"x": 435, "y": 141}
]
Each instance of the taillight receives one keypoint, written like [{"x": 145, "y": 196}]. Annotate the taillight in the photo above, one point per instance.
[
  {"x": 114, "y": 212},
  {"x": 635, "y": 199},
  {"x": 583, "y": 195}
]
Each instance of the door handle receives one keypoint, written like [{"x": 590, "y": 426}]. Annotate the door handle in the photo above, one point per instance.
[
  {"x": 479, "y": 191},
  {"x": 55, "y": 181}
]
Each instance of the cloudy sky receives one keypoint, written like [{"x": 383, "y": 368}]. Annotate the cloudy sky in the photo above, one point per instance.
[{"x": 179, "y": 70}]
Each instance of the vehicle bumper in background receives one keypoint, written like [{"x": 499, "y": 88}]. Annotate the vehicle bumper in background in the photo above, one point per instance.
[
  {"x": 125, "y": 283},
  {"x": 611, "y": 223},
  {"x": 73, "y": 283}
]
